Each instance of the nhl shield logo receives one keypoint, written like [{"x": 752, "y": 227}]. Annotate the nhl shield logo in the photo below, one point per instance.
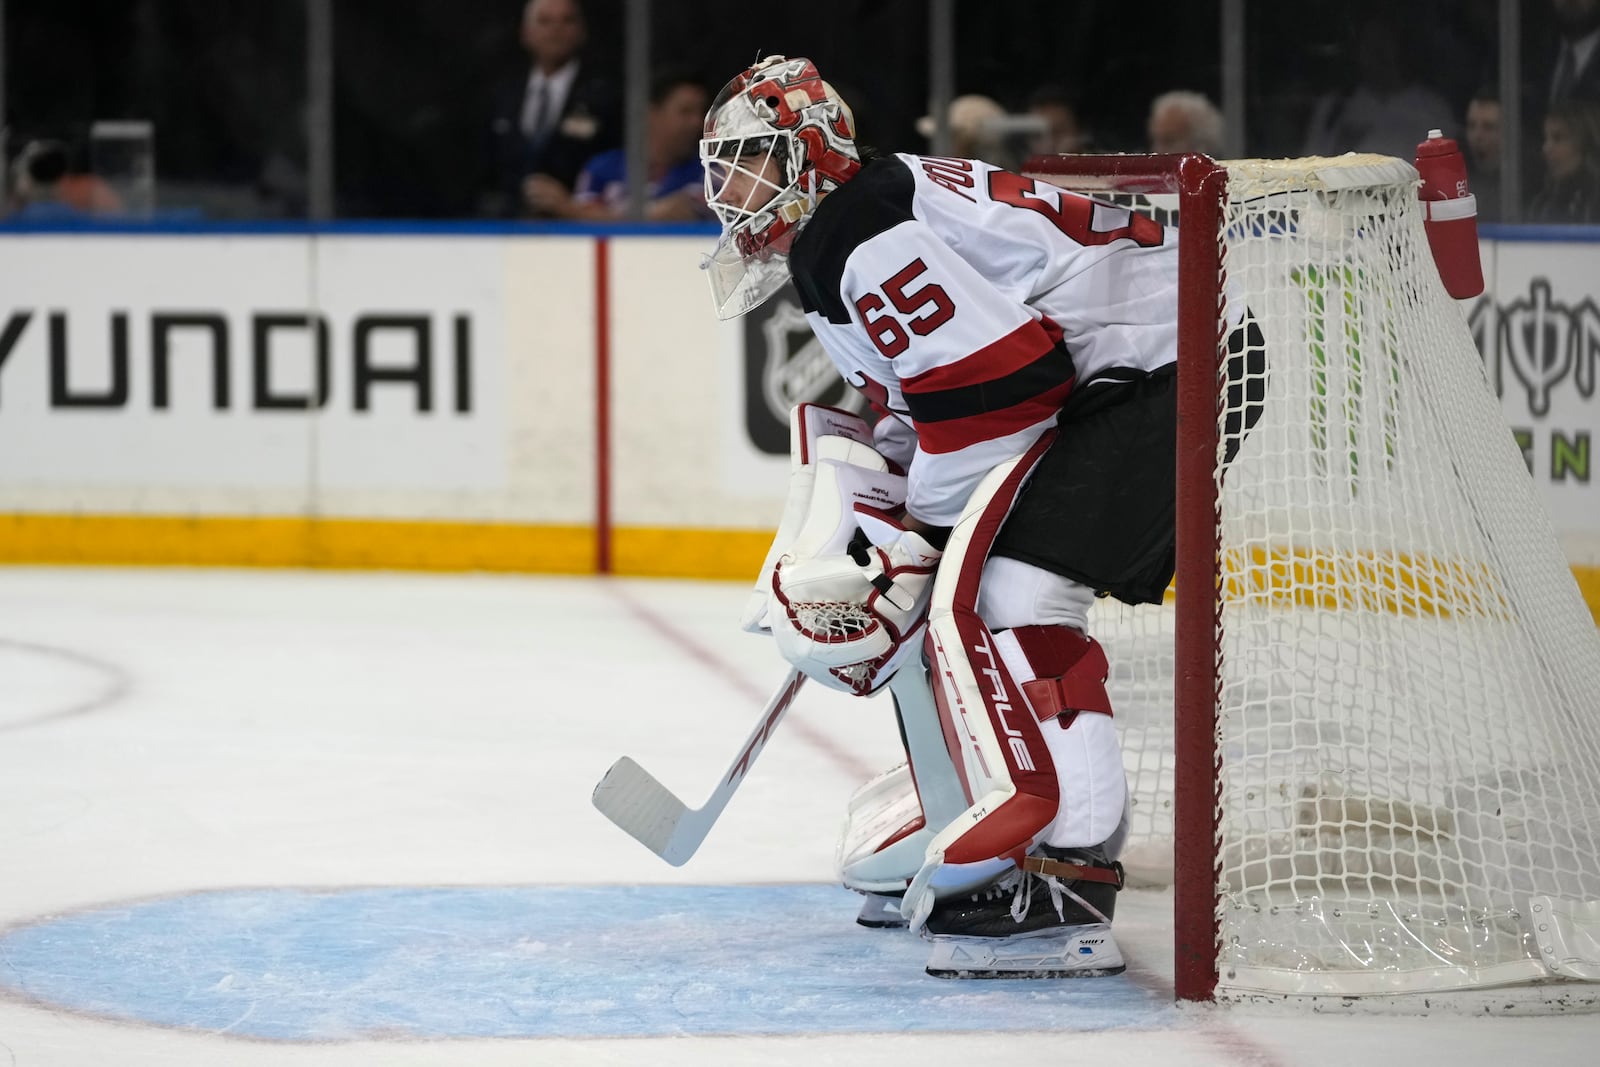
[{"x": 785, "y": 365}]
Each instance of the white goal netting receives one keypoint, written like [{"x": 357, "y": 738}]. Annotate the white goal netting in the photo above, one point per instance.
[{"x": 1408, "y": 680}]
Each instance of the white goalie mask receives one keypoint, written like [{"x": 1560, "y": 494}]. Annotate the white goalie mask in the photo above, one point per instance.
[{"x": 777, "y": 138}]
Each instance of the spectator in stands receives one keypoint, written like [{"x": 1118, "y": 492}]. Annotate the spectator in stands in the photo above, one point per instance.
[
  {"x": 1063, "y": 132},
  {"x": 977, "y": 129},
  {"x": 1184, "y": 121},
  {"x": 47, "y": 187},
  {"x": 1575, "y": 68},
  {"x": 558, "y": 115},
  {"x": 1483, "y": 152},
  {"x": 676, "y": 189},
  {"x": 1388, "y": 110},
  {"x": 1571, "y": 190}
]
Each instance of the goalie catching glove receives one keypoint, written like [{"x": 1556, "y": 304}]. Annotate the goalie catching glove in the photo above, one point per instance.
[
  {"x": 808, "y": 424},
  {"x": 850, "y": 596}
]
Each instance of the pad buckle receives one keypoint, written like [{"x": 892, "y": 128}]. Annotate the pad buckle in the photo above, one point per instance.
[{"x": 1074, "y": 872}]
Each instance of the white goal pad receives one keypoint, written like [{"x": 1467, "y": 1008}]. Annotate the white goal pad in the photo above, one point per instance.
[{"x": 1400, "y": 735}]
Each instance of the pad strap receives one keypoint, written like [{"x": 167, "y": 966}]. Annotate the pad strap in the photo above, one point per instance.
[
  {"x": 1073, "y": 872},
  {"x": 1081, "y": 685}
]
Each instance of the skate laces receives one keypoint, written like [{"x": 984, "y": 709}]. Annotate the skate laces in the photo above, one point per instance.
[
  {"x": 1022, "y": 899},
  {"x": 1006, "y": 883},
  {"x": 1021, "y": 885}
]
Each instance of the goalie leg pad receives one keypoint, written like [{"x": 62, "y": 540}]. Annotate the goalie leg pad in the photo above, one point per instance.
[
  {"x": 1014, "y": 593},
  {"x": 885, "y": 836},
  {"x": 892, "y": 818},
  {"x": 994, "y": 737},
  {"x": 1050, "y": 774}
]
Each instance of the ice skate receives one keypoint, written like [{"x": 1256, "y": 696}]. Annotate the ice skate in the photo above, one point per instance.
[{"x": 1049, "y": 919}]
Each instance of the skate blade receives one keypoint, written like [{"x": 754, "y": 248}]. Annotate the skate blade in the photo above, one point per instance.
[
  {"x": 879, "y": 912},
  {"x": 1075, "y": 952}
]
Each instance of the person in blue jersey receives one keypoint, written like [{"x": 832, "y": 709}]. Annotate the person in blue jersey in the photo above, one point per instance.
[
  {"x": 675, "y": 180},
  {"x": 1019, "y": 343}
]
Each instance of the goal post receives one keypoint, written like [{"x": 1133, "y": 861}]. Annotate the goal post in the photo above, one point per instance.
[{"x": 1364, "y": 741}]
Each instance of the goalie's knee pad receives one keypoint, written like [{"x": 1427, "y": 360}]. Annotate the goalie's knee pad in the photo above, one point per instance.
[
  {"x": 1067, "y": 692},
  {"x": 1013, "y": 593}
]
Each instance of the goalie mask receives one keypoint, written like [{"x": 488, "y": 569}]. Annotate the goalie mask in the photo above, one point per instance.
[{"x": 777, "y": 138}]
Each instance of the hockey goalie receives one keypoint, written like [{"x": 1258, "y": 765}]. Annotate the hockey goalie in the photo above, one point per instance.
[{"x": 1018, "y": 344}]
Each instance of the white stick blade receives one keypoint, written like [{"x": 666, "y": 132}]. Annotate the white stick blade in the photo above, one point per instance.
[{"x": 646, "y": 810}]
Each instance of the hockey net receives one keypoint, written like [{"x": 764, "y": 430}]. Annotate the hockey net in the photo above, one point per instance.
[{"x": 1382, "y": 775}]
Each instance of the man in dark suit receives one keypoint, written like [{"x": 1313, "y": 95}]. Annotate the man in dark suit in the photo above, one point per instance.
[
  {"x": 556, "y": 118},
  {"x": 1575, "y": 72}
]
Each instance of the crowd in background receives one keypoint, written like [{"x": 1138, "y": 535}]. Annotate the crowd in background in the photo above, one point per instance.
[{"x": 512, "y": 109}]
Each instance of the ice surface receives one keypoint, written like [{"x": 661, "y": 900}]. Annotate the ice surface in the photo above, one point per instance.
[
  {"x": 556, "y": 961},
  {"x": 291, "y": 818}
]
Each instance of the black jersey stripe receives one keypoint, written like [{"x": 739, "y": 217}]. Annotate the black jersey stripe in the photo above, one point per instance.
[
  {"x": 1042, "y": 375},
  {"x": 953, "y": 435}
]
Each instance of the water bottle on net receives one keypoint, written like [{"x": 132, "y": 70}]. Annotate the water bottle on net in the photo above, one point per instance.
[{"x": 1450, "y": 215}]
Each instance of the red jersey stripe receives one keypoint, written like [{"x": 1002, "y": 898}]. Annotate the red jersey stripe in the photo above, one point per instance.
[
  {"x": 1006, "y": 356},
  {"x": 952, "y": 435}
]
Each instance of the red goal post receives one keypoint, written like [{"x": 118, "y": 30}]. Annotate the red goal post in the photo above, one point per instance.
[
  {"x": 1379, "y": 767},
  {"x": 1199, "y": 185}
]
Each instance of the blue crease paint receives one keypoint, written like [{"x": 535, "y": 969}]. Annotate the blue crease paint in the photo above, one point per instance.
[{"x": 528, "y": 961}]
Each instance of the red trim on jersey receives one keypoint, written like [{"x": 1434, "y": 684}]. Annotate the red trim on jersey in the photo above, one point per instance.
[
  {"x": 1053, "y": 328},
  {"x": 952, "y": 435},
  {"x": 877, "y": 395},
  {"x": 1006, "y": 356}
]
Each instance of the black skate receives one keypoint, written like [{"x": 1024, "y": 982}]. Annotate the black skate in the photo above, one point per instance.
[{"x": 1049, "y": 919}]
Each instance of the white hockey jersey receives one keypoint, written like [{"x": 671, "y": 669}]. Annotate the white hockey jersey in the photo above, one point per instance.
[{"x": 970, "y": 302}]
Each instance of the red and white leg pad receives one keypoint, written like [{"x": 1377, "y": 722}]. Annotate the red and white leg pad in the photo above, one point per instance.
[
  {"x": 892, "y": 818},
  {"x": 1025, "y": 716}
]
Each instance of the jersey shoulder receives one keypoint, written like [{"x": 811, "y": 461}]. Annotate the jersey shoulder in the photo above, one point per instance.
[{"x": 878, "y": 198}]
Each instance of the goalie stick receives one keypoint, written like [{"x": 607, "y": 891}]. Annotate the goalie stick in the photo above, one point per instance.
[{"x": 635, "y": 801}]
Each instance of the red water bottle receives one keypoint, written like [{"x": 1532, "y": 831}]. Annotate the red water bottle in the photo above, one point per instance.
[{"x": 1450, "y": 215}]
